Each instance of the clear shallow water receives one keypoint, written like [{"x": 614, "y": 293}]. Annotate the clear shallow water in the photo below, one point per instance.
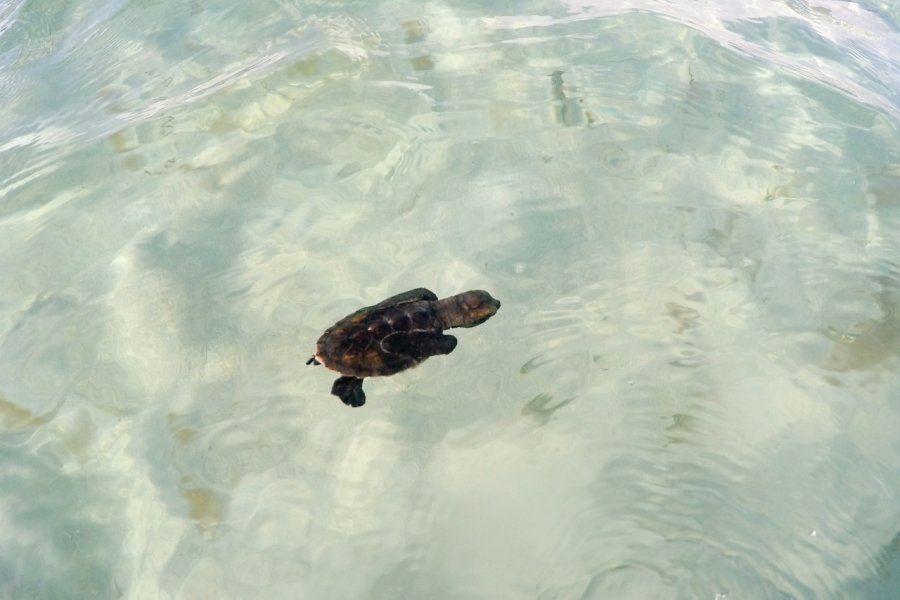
[{"x": 689, "y": 212}]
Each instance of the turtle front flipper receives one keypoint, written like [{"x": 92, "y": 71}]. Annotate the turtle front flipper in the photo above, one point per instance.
[
  {"x": 418, "y": 345},
  {"x": 313, "y": 361},
  {"x": 349, "y": 390},
  {"x": 409, "y": 296}
]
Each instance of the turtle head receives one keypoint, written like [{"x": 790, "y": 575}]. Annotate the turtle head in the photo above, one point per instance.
[{"x": 467, "y": 309}]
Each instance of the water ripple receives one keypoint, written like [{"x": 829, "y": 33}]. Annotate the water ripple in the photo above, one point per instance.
[
  {"x": 127, "y": 102},
  {"x": 833, "y": 24},
  {"x": 690, "y": 390}
]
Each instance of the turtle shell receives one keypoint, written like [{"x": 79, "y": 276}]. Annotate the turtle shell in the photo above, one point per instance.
[
  {"x": 396, "y": 334},
  {"x": 393, "y": 335}
]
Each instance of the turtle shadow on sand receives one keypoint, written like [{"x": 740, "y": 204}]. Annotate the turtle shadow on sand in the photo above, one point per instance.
[{"x": 394, "y": 335}]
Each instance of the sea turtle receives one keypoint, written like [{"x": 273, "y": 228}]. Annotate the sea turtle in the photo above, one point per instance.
[{"x": 396, "y": 334}]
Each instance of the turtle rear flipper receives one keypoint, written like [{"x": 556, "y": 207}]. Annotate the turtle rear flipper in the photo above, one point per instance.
[
  {"x": 418, "y": 345},
  {"x": 349, "y": 390}
]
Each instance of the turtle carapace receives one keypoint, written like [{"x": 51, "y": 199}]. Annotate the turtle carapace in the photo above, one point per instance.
[{"x": 396, "y": 334}]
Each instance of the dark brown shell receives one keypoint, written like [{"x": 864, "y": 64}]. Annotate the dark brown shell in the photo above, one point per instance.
[
  {"x": 355, "y": 344},
  {"x": 399, "y": 332}
]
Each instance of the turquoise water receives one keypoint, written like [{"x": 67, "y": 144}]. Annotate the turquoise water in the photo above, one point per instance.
[{"x": 689, "y": 211}]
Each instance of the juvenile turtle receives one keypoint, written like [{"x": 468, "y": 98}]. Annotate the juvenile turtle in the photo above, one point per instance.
[{"x": 396, "y": 334}]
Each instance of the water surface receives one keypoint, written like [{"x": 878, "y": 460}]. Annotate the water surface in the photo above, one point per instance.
[{"x": 689, "y": 211}]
